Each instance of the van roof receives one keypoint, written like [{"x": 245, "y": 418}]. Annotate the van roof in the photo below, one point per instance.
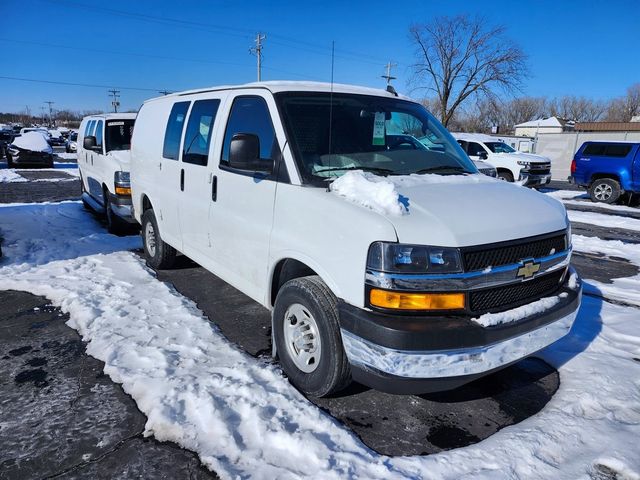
[
  {"x": 113, "y": 116},
  {"x": 291, "y": 86}
]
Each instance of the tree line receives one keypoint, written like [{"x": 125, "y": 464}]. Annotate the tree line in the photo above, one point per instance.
[{"x": 471, "y": 76}]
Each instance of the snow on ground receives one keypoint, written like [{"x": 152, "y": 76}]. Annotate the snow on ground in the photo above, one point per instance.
[
  {"x": 13, "y": 174},
  {"x": 622, "y": 289},
  {"x": 67, "y": 156},
  {"x": 568, "y": 197},
  {"x": 244, "y": 419},
  {"x": 10, "y": 175},
  {"x": 604, "y": 220}
]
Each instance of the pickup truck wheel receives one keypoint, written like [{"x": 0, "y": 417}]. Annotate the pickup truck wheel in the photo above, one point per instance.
[
  {"x": 10, "y": 162},
  {"x": 606, "y": 190},
  {"x": 505, "y": 175},
  {"x": 307, "y": 336},
  {"x": 159, "y": 255}
]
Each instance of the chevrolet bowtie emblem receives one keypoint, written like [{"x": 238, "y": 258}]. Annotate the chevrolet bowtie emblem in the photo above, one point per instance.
[{"x": 528, "y": 270}]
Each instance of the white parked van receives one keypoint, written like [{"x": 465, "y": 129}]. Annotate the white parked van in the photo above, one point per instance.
[
  {"x": 532, "y": 170},
  {"x": 394, "y": 265},
  {"x": 103, "y": 147}
]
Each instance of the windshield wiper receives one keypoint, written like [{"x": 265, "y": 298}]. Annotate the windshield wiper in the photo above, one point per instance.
[
  {"x": 353, "y": 167},
  {"x": 442, "y": 168}
]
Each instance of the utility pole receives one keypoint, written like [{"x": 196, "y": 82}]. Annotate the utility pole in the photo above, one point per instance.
[
  {"x": 50, "y": 112},
  {"x": 115, "y": 102},
  {"x": 388, "y": 76},
  {"x": 42, "y": 110},
  {"x": 257, "y": 51}
]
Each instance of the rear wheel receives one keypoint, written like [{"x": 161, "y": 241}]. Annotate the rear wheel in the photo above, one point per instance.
[
  {"x": 159, "y": 255},
  {"x": 10, "y": 161},
  {"x": 605, "y": 190},
  {"x": 307, "y": 336}
]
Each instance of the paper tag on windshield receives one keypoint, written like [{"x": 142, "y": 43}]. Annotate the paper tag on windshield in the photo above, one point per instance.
[{"x": 378, "y": 129}]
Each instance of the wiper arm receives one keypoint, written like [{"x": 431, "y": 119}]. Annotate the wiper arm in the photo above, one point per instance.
[
  {"x": 366, "y": 169},
  {"x": 442, "y": 168}
]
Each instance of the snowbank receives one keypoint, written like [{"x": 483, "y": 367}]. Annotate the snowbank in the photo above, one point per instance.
[
  {"x": 34, "y": 141},
  {"x": 604, "y": 220},
  {"x": 244, "y": 419}
]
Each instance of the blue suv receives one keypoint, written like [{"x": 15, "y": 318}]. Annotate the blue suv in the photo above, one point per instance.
[{"x": 607, "y": 169}]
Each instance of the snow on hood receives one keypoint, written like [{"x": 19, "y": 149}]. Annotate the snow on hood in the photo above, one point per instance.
[
  {"x": 453, "y": 210},
  {"x": 33, "y": 141},
  {"x": 123, "y": 157},
  {"x": 531, "y": 157}
]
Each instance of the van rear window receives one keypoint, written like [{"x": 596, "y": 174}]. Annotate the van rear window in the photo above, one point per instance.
[
  {"x": 607, "y": 150},
  {"x": 173, "y": 133}
]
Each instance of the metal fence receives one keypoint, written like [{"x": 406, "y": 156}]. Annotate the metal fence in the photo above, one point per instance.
[{"x": 560, "y": 147}]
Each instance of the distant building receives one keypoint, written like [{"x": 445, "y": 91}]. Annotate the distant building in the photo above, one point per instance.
[
  {"x": 607, "y": 127},
  {"x": 541, "y": 126}
]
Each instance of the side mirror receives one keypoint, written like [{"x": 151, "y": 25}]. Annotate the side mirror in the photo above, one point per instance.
[
  {"x": 244, "y": 154},
  {"x": 89, "y": 142},
  {"x": 483, "y": 155}
]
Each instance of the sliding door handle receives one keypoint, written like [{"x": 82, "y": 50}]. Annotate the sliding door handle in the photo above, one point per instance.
[
  {"x": 182, "y": 179},
  {"x": 214, "y": 188}
]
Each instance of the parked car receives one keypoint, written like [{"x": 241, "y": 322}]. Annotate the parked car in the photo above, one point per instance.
[
  {"x": 103, "y": 160},
  {"x": 263, "y": 185},
  {"x": 30, "y": 149},
  {"x": 55, "y": 137},
  {"x": 607, "y": 169},
  {"x": 486, "y": 169},
  {"x": 532, "y": 170},
  {"x": 71, "y": 145},
  {"x": 6, "y": 137}
]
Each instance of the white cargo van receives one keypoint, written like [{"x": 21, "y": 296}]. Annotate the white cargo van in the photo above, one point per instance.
[
  {"x": 397, "y": 266},
  {"x": 103, "y": 146},
  {"x": 511, "y": 165}
]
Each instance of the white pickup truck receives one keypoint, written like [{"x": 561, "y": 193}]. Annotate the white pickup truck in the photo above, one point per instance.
[
  {"x": 532, "y": 170},
  {"x": 103, "y": 147},
  {"x": 381, "y": 261}
]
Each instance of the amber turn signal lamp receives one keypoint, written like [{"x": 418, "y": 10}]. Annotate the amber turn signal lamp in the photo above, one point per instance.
[{"x": 416, "y": 301}]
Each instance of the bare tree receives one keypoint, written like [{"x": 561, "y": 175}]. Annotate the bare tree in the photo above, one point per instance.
[
  {"x": 624, "y": 108},
  {"x": 460, "y": 57},
  {"x": 579, "y": 109}
]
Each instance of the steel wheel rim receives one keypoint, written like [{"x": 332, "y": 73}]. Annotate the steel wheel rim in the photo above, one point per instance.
[
  {"x": 150, "y": 239},
  {"x": 603, "y": 191},
  {"x": 302, "y": 338}
]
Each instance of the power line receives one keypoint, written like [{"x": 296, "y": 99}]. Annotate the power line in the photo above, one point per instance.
[
  {"x": 72, "y": 84},
  {"x": 257, "y": 51}
]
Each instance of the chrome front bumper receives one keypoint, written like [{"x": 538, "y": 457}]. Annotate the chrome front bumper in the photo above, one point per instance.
[{"x": 535, "y": 180}]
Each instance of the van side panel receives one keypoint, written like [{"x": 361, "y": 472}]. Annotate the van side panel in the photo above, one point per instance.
[{"x": 151, "y": 175}]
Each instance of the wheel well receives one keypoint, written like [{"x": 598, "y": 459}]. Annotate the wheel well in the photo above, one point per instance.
[
  {"x": 502, "y": 169},
  {"x": 598, "y": 176},
  {"x": 146, "y": 203},
  {"x": 287, "y": 269}
]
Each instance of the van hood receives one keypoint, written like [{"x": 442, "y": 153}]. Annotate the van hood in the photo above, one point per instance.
[
  {"x": 123, "y": 158},
  {"x": 461, "y": 210},
  {"x": 527, "y": 157}
]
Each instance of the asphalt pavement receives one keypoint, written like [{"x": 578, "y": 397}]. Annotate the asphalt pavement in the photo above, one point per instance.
[{"x": 60, "y": 417}]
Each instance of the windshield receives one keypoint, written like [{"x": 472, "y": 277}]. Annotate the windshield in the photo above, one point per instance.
[
  {"x": 499, "y": 147},
  {"x": 118, "y": 135},
  {"x": 386, "y": 136}
]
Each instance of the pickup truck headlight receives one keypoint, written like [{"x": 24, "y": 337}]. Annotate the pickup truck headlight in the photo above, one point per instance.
[
  {"x": 524, "y": 163},
  {"x": 122, "y": 183},
  {"x": 403, "y": 258}
]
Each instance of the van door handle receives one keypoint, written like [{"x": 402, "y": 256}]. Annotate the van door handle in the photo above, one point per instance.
[
  {"x": 182, "y": 180},
  {"x": 214, "y": 188}
]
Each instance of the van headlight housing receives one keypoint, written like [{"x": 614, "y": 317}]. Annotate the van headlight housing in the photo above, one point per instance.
[
  {"x": 122, "y": 183},
  {"x": 406, "y": 258}
]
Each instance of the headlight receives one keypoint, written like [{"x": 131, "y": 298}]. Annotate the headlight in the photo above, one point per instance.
[
  {"x": 122, "y": 183},
  {"x": 524, "y": 163},
  {"x": 402, "y": 258}
]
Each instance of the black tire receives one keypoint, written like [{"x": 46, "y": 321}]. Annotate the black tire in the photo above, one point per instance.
[
  {"x": 115, "y": 224},
  {"x": 10, "y": 162},
  {"x": 605, "y": 190},
  {"x": 505, "y": 175},
  {"x": 163, "y": 255},
  {"x": 332, "y": 372}
]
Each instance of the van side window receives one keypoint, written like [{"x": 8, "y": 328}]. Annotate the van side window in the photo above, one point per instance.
[
  {"x": 199, "y": 132},
  {"x": 99, "y": 134},
  {"x": 89, "y": 130},
  {"x": 606, "y": 150},
  {"x": 251, "y": 115},
  {"x": 173, "y": 133}
]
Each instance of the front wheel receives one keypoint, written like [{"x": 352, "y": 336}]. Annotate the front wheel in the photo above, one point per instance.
[
  {"x": 605, "y": 190},
  {"x": 115, "y": 224},
  {"x": 307, "y": 336},
  {"x": 505, "y": 175},
  {"x": 159, "y": 255}
]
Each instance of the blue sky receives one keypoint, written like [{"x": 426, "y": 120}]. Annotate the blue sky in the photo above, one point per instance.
[{"x": 575, "y": 47}]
